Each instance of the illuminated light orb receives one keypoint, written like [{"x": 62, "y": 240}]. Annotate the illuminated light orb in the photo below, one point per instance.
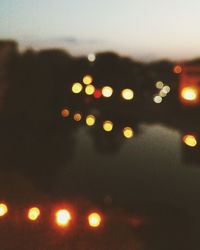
[
  {"x": 108, "y": 126},
  {"x": 159, "y": 85},
  {"x": 87, "y": 79},
  {"x": 77, "y": 88},
  {"x": 3, "y": 209},
  {"x": 77, "y": 117},
  {"x": 97, "y": 93},
  {"x": 90, "y": 89},
  {"x": 33, "y": 213},
  {"x": 90, "y": 120},
  {"x": 128, "y": 132},
  {"x": 189, "y": 93},
  {"x": 190, "y": 140},
  {"x": 94, "y": 220},
  {"x": 157, "y": 99},
  {"x": 177, "y": 69},
  {"x": 91, "y": 57},
  {"x": 107, "y": 91},
  {"x": 127, "y": 94},
  {"x": 162, "y": 93},
  {"x": 166, "y": 89},
  {"x": 62, "y": 217},
  {"x": 65, "y": 113}
]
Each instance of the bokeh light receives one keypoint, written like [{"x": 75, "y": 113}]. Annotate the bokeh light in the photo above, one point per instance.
[
  {"x": 33, "y": 213},
  {"x": 177, "y": 69},
  {"x": 91, "y": 57},
  {"x": 128, "y": 132},
  {"x": 97, "y": 93},
  {"x": 189, "y": 93},
  {"x": 159, "y": 85},
  {"x": 87, "y": 79},
  {"x": 3, "y": 209},
  {"x": 90, "y": 89},
  {"x": 77, "y": 117},
  {"x": 90, "y": 120},
  {"x": 190, "y": 140},
  {"x": 157, "y": 99},
  {"x": 162, "y": 93},
  {"x": 108, "y": 126},
  {"x": 107, "y": 91},
  {"x": 127, "y": 94},
  {"x": 166, "y": 89},
  {"x": 62, "y": 217},
  {"x": 77, "y": 88},
  {"x": 94, "y": 220},
  {"x": 65, "y": 113}
]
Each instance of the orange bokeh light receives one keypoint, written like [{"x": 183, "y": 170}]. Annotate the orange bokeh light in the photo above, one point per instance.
[
  {"x": 62, "y": 217},
  {"x": 94, "y": 220},
  {"x": 33, "y": 213},
  {"x": 177, "y": 69},
  {"x": 65, "y": 113},
  {"x": 3, "y": 209}
]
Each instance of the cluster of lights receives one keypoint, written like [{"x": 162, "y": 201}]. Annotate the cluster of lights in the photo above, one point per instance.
[
  {"x": 90, "y": 121},
  {"x": 190, "y": 140},
  {"x": 163, "y": 90},
  {"x": 61, "y": 217},
  {"x": 106, "y": 91}
]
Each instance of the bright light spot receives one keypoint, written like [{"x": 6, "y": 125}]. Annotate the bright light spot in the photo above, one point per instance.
[
  {"x": 159, "y": 85},
  {"x": 65, "y": 113},
  {"x": 94, "y": 220},
  {"x": 90, "y": 120},
  {"x": 177, "y": 69},
  {"x": 87, "y": 80},
  {"x": 91, "y": 57},
  {"x": 189, "y": 93},
  {"x": 128, "y": 132},
  {"x": 3, "y": 209},
  {"x": 127, "y": 94},
  {"x": 77, "y": 117},
  {"x": 107, "y": 91},
  {"x": 166, "y": 89},
  {"x": 77, "y": 88},
  {"x": 162, "y": 93},
  {"x": 63, "y": 217},
  {"x": 108, "y": 126},
  {"x": 97, "y": 93},
  {"x": 157, "y": 99},
  {"x": 190, "y": 140},
  {"x": 89, "y": 90},
  {"x": 33, "y": 213}
]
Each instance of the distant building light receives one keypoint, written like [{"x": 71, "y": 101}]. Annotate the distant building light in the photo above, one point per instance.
[{"x": 91, "y": 57}]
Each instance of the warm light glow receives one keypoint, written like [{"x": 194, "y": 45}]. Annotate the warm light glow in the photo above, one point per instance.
[
  {"x": 97, "y": 93},
  {"x": 190, "y": 140},
  {"x": 3, "y": 209},
  {"x": 177, "y": 69},
  {"x": 166, "y": 89},
  {"x": 89, "y": 90},
  {"x": 65, "y": 113},
  {"x": 127, "y": 94},
  {"x": 189, "y": 93},
  {"x": 107, "y": 91},
  {"x": 90, "y": 120},
  {"x": 87, "y": 80},
  {"x": 128, "y": 132},
  {"x": 77, "y": 88},
  {"x": 94, "y": 220},
  {"x": 77, "y": 117},
  {"x": 108, "y": 126},
  {"x": 162, "y": 93},
  {"x": 91, "y": 57},
  {"x": 157, "y": 99},
  {"x": 63, "y": 217},
  {"x": 33, "y": 213},
  {"x": 159, "y": 85}
]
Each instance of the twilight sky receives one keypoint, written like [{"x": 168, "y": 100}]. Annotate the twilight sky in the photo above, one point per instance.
[{"x": 144, "y": 29}]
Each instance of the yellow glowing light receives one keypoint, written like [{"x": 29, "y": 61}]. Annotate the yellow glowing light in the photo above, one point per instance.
[
  {"x": 157, "y": 99},
  {"x": 77, "y": 88},
  {"x": 91, "y": 57},
  {"x": 65, "y": 113},
  {"x": 33, "y": 213},
  {"x": 189, "y": 93},
  {"x": 159, "y": 85},
  {"x": 166, "y": 89},
  {"x": 94, "y": 220},
  {"x": 63, "y": 217},
  {"x": 162, "y": 93},
  {"x": 127, "y": 94},
  {"x": 90, "y": 89},
  {"x": 77, "y": 117},
  {"x": 90, "y": 120},
  {"x": 107, "y": 91},
  {"x": 128, "y": 132},
  {"x": 3, "y": 209},
  {"x": 87, "y": 80},
  {"x": 108, "y": 126},
  {"x": 190, "y": 140}
]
